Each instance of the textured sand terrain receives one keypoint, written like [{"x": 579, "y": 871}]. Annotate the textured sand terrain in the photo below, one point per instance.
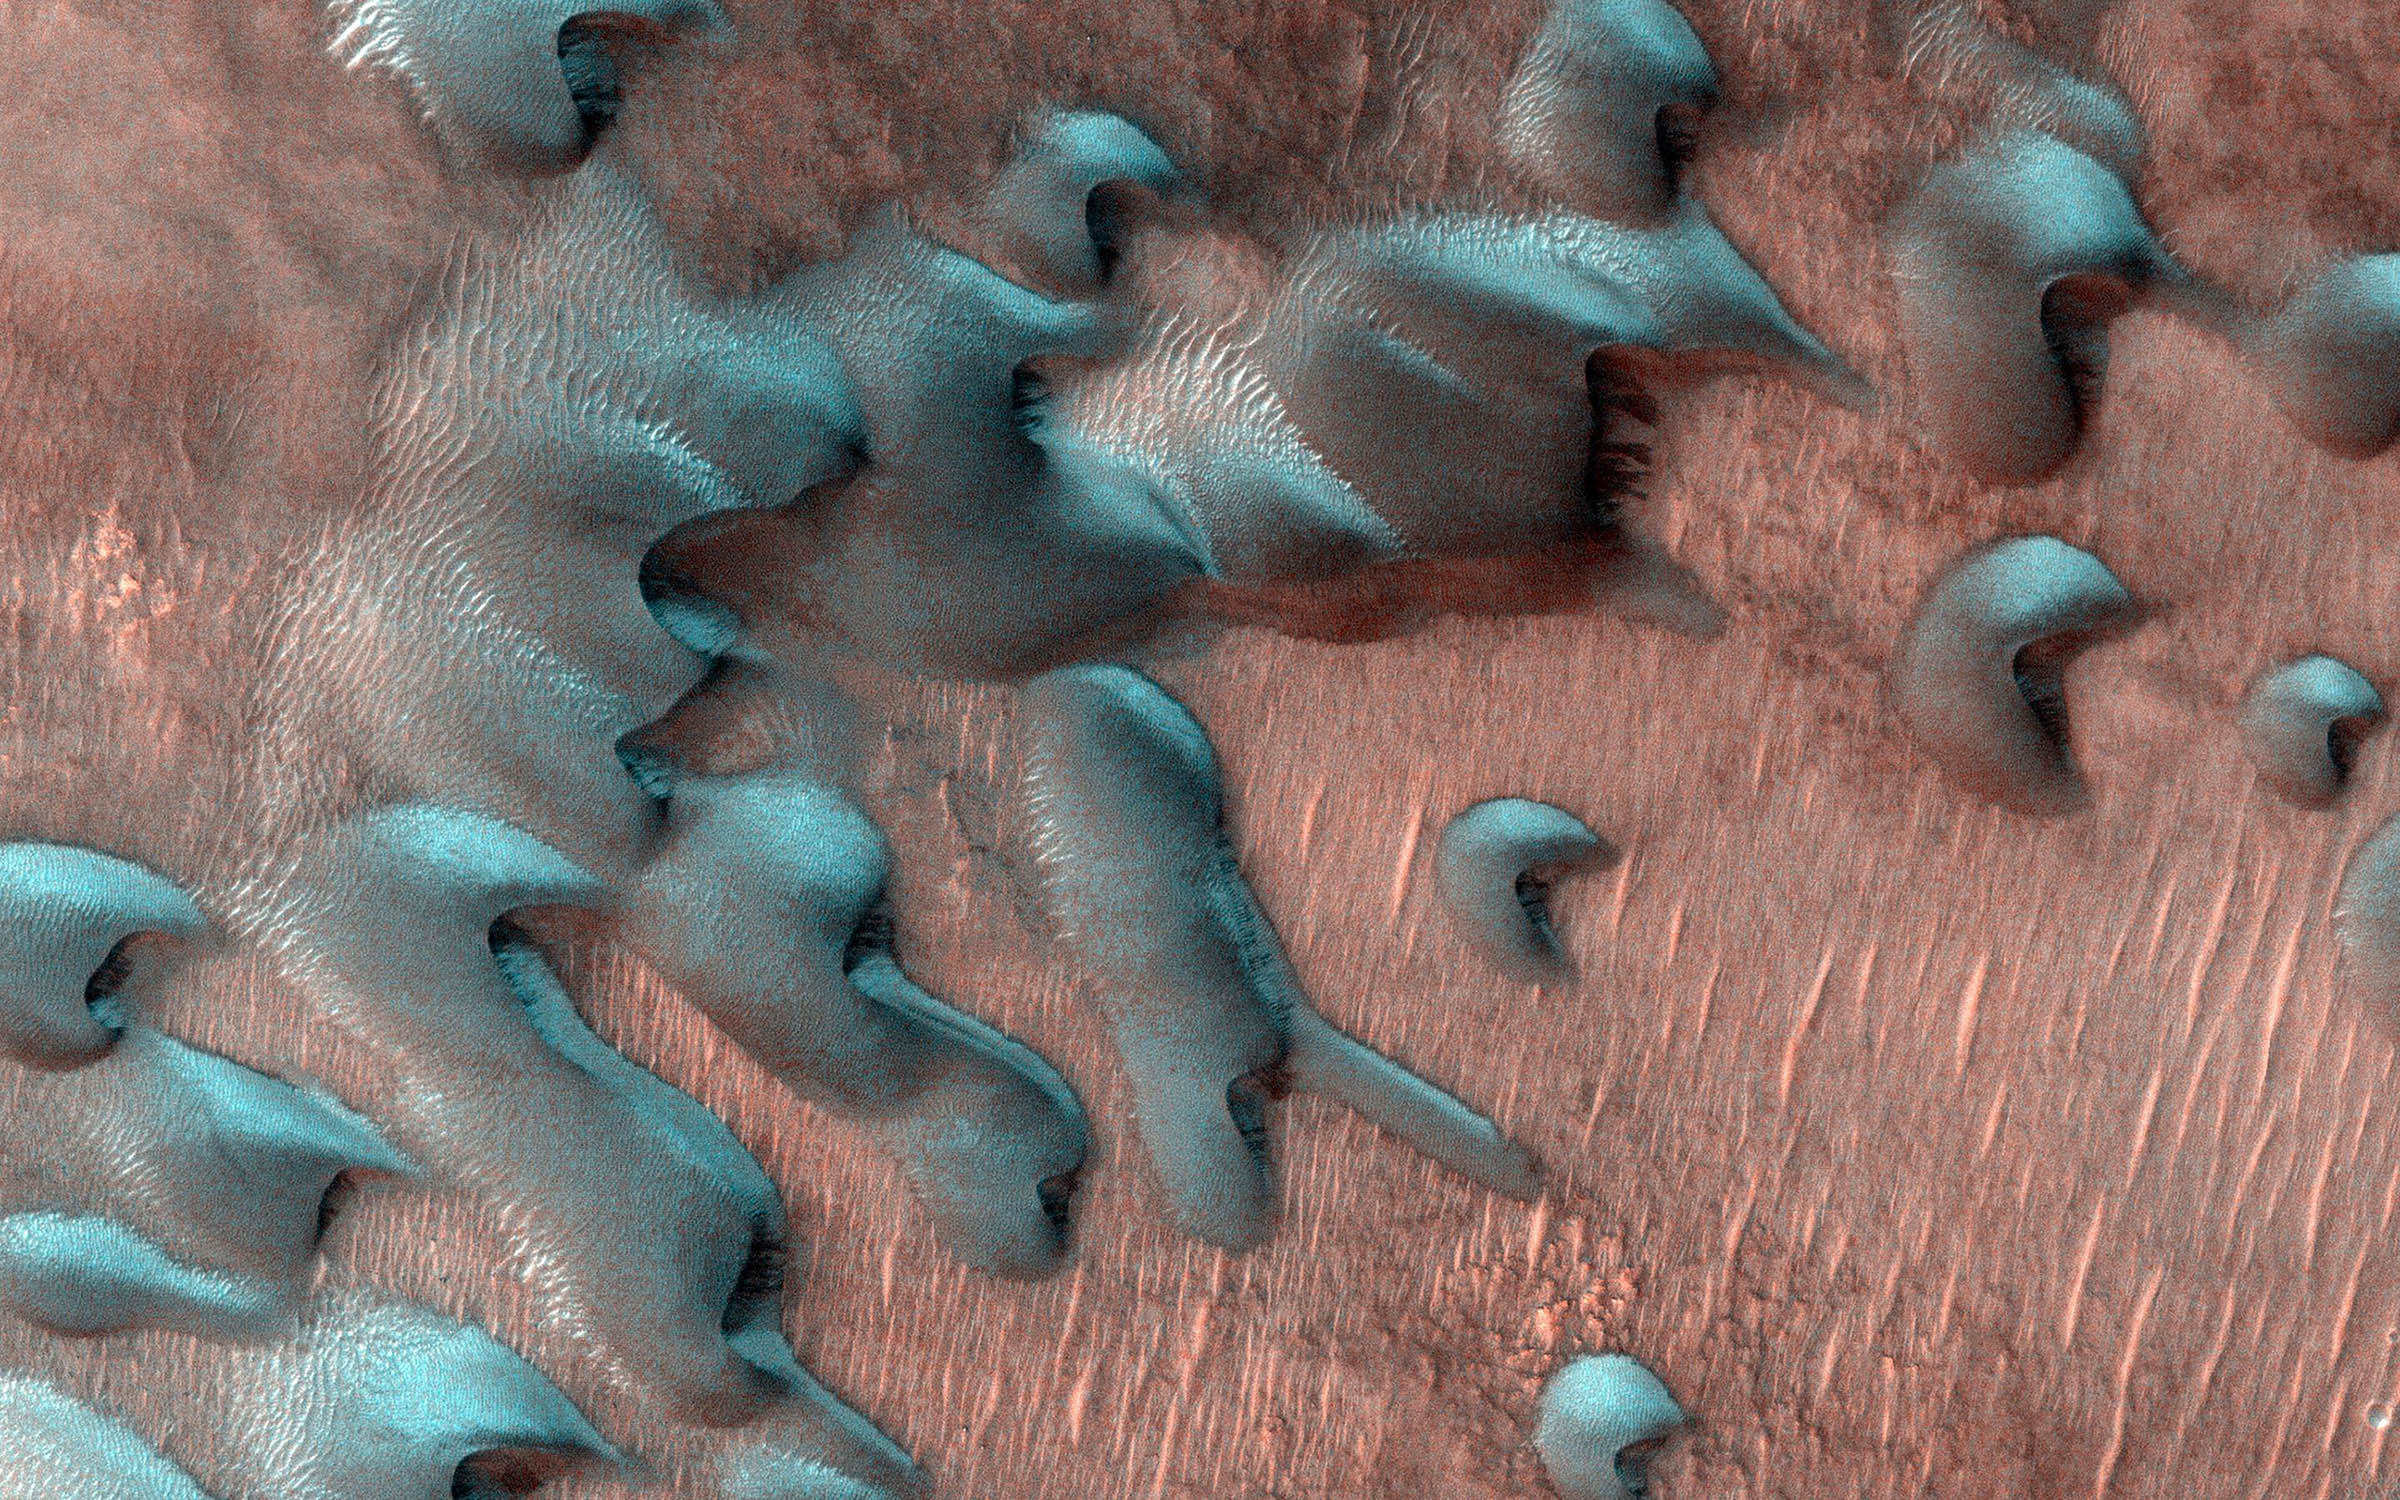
[{"x": 1921, "y": 1146}]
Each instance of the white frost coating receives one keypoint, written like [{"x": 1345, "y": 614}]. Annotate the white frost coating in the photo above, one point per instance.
[
  {"x": 2295, "y": 720},
  {"x": 2366, "y": 916},
  {"x": 1441, "y": 363},
  {"x": 1191, "y": 408},
  {"x": 221, "y": 1167},
  {"x": 1052, "y": 206},
  {"x": 1486, "y": 869},
  {"x": 1978, "y": 253},
  {"x": 406, "y": 896},
  {"x": 980, "y": 538},
  {"x": 1581, "y": 115},
  {"x": 648, "y": 1238},
  {"x": 1421, "y": 387},
  {"x": 477, "y": 868},
  {"x": 1962, "y": 685},
  {"x": 2332, "y": 356},
  {"x": 253, "y": 1156},
  {"x": 787, "y": 1476},
  {"x": 1949, "y": 44},
  {"x": 1138, "y": 876},
  {"x": 385, "y": 1402},
  {"x": 55, "y": 1448},
  {"x": 1441, "y": 384},
  {"x": 62, "y": 910},
  {"x": 487, "y": 72},
  {"x": 1704, "y": 294},
  {"x": 756, "y": 909},
  {"x": 82, "y": 1275},
  {"x": 1592, "y": 1411},
  {"x": 476, "y": 629}
]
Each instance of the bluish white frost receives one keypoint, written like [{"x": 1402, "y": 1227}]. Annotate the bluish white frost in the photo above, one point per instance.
[
  {"x": 2010, "y": 261},
  {"x": 1054, "y": 211},
  {"x": 1592, "y": 1411},
  {"x": 1491, "y": 866},
  {"x": 783, "y": 1476},
  {"x": 763, "y": 907},
  {"x": 752, "y": 1297},
  {"x": 1440, "y": 366},
  {"x": 63, "y": 912},
  {"x": 650, "y": 1240},
  {"x": 1141, "y": 883},
  {"x": 1706, "y": 298},
  {"x": 477, "y": 631},
  {"x": 1948, "y": 41},
  {"x": 217, "y": 1166},
  {"x": 1451, "y": 383},
  {"x": 82, "y": 1275},
  {"x": 585, "y": 343},
  {"x": 2299, "y": 721},
  {"x": 224, "y": 1167},
  {"x": 1443, "y": 364},
  {"x": 1192, "y": 410},
  {"x": 388, "y": 1402},
  {"x": 2367, "y": 918},
  {"x": 1972, "y": 694},
  {"x": 1440, "y": 386},
  {"x": 53, "y": 1447},
  {"x": 1587, "y": 111},
  {"x": 488, "y": 73},
  {"x": 979, "y": 537},
  {"x": 2332, "y": 356}
]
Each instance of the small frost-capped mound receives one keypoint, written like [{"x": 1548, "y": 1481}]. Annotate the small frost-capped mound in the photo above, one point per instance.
[{"x": 1593, "y": 1411}]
